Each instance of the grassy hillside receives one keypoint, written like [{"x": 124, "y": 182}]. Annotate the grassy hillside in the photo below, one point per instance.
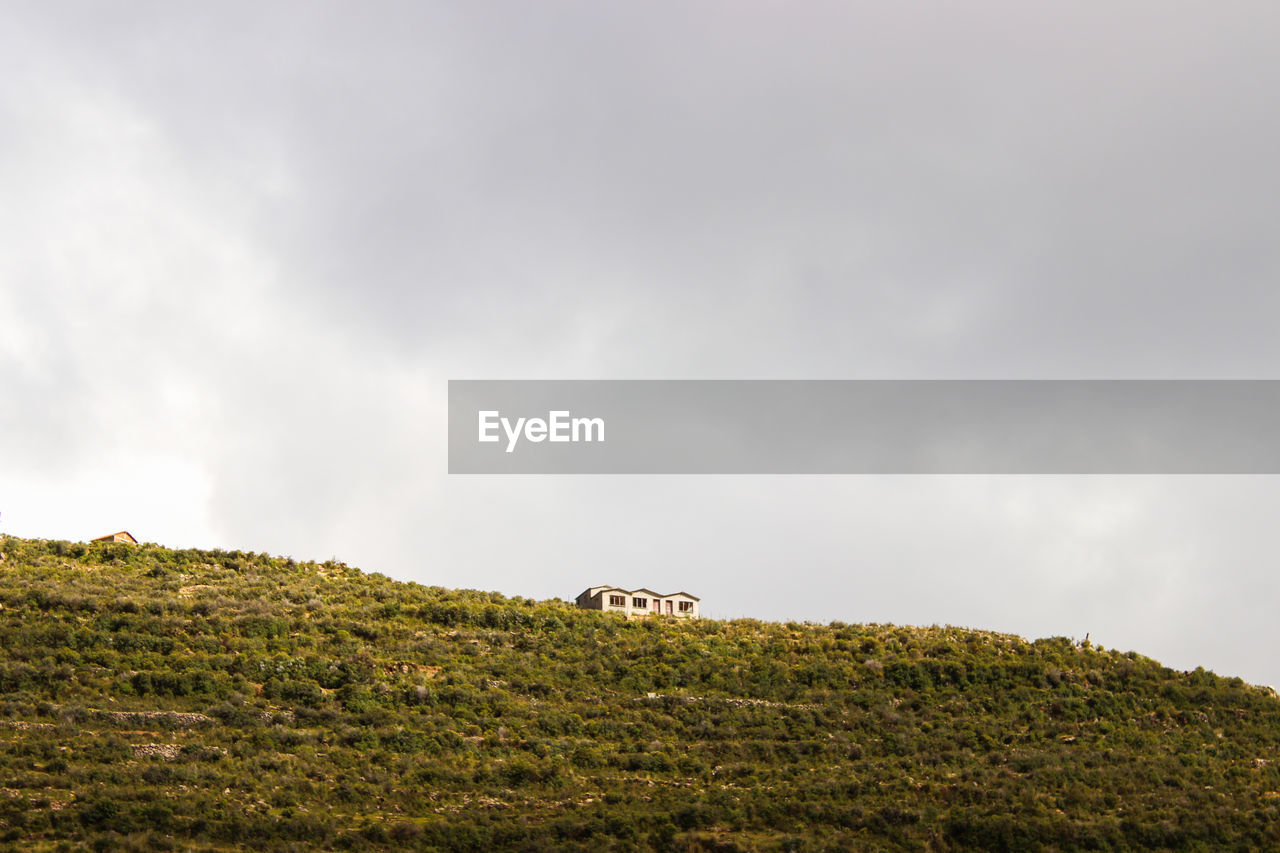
[{"x": 162, "y": 699}]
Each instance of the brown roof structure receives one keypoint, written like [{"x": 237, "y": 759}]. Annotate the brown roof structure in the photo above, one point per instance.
[{"x": 122, "y": 536}]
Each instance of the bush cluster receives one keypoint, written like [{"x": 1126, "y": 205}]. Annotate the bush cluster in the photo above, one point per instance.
[{"x": 161, "y": 699}]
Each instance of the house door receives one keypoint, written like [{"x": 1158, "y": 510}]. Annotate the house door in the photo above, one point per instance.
[{"x": 669, "y": 608}]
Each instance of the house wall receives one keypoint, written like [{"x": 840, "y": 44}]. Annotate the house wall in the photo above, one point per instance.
[
  {"x": 598, "y": 598},
  {"x": 692, "y": 612}
]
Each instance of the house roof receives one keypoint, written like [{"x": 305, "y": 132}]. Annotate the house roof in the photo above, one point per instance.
[
  {"x": 111, "y": 537},
  {"x": 592, "y": 592}
]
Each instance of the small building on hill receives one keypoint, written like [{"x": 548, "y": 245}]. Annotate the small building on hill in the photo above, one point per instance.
[
  {"x": 639, "y": 602},
  {"x": 122, "y": 536}
]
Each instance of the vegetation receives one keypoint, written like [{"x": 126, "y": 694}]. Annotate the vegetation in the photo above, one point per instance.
[{"x": 157, "y": 699}]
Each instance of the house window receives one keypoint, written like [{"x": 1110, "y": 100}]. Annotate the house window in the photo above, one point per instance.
[
  {"x": 640, "y": 602},
  {"x": 686, "y": 606},
  {"x": 617, "y": 601}
]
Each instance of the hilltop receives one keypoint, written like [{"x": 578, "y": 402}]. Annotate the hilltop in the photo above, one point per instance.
[{"x": 160, "y": 699}]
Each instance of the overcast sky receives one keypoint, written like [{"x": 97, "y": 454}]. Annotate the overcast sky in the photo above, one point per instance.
[{"x": 243, "y": 246}]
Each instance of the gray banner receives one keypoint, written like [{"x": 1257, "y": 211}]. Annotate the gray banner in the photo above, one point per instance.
[{"x": 864, "y": 427}]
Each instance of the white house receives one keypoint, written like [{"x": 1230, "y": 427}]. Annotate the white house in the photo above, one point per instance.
[{"x": 639, "y": 602}]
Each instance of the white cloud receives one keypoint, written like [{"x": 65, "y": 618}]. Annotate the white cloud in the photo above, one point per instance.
[{"x": 128, "y": 278}]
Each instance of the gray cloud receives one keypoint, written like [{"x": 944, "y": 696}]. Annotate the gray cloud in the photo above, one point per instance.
[{"x": 245, "y": 246}]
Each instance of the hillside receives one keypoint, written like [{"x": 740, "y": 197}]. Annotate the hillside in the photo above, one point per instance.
[{"x": 176, "y": 699}]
